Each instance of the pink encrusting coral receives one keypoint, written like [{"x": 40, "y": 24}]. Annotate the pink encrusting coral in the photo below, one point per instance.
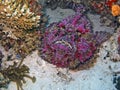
[
  {"x": 77, "y": 22},
  {"x": 70, "y": 42},
  {"x": 60, "y": 48}
]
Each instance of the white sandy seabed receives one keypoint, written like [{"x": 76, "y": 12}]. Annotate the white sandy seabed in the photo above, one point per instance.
[{"x": 98, "y": 77}]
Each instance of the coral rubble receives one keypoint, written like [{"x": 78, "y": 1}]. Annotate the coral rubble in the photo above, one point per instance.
[{"x": 113, "y": 45}]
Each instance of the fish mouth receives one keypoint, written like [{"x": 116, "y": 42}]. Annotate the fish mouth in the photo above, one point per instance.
[{"x": 64, "y": 42}]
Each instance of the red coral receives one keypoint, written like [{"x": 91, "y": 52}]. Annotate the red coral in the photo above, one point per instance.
[{"x": 109, "y": 3}]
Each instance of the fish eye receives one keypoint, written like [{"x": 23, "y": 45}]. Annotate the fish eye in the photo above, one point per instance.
[{"x": 47, "y": 2}]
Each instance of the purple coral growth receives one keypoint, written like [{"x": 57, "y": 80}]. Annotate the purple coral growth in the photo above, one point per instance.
[
  {"x": 77, "y": 22},
  {"x": 60, "y": 48},
  {"x": 70, "y": 42},
  {"x": 85, "y": 50}
]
